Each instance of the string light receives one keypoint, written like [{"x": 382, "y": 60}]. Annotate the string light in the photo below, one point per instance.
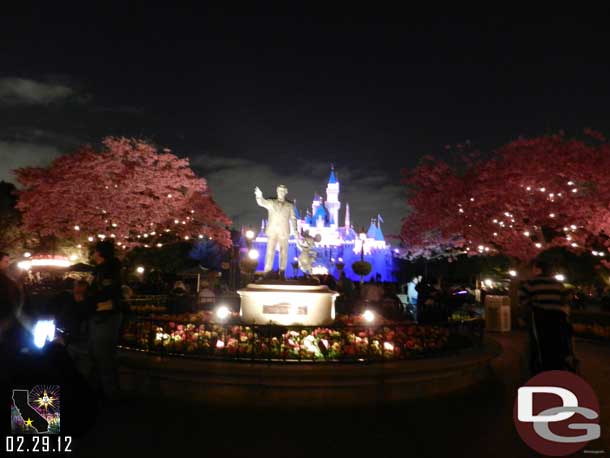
[
  {"x": 77, "y": 228},
  {"x": 538, "y": 245}
]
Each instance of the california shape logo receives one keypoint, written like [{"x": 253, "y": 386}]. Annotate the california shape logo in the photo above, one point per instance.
[{"x": 36, "y": 411}]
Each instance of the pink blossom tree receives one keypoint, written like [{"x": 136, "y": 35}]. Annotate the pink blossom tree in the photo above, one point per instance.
[
  {"x": 127, "y": 191},
  {"x": 529, "y": 196}
]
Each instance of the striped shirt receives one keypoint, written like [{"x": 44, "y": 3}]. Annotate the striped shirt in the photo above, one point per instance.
[{"x": 544, "y": 292}]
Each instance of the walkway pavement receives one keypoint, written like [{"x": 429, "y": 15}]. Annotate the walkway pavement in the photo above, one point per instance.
[{"x": 477, "y": 423}]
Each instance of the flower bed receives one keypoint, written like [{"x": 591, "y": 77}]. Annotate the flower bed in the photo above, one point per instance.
[{"x": 198, "y": 336}]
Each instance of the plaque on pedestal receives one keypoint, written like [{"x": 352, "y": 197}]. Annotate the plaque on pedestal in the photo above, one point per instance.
[{"x": 287, "y": 303}]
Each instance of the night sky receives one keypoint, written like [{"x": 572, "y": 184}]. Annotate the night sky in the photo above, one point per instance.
[{"x": 262, "y": 97}]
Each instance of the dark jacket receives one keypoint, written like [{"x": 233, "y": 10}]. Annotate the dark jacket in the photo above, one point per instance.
[
  {"x": 106, "y": 286},
  {"x": 9, "y": 297},
  {"x": 73, "y": 317}
]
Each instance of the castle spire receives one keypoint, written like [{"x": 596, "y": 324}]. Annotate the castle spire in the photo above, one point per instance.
[
  {"x": 333, "y": 178},
  {"x": 347, "y": 219}
]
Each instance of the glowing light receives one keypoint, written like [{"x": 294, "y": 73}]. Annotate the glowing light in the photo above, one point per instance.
[
  {"x": 223, "y": 312},
  {"x": 90, "y": 239},
  {"x": 101, "y": 236},
  {"x": 461, "y": 210},
  {"x": 570, "y": 183},
  {"x": 250, "y": 234},
  {"x": 140, "y": 269},
  {"x": 80, "y": 246},
  {"x": 388, "y": 346},
  {"x": 145, "y": 236},
  {"x": 27, "y": 254},
  {"x": 560, "y": 277},
  {"x": 512, "y": 273},
  {"x": 526, "y": 233},
  {"x": 220, "y": 344},
  {"x": 481, "y": 247},
  {"x": 186, "y": 237},
  {"x": 77, "y": 228},
  {"x": 51, "y": 262},
  {"x": 169, "y": 196},
  {"x": 575, "y": 190},
  {"x": 574, "y": 244},
  {"x": 529, "y": 188},
  {"x": 488, "y": 282},
  {"x": 114, "y": 225},
  {"x": 538, "y": 245},
  {"x": 73, "y": 257},
  {"x": 569, "y": 237},
  {"x": 602, "y": 254},
  {"x": 200, "y": 236},
  {"x": 340, "y": 259},
  {"x": 573, "y": 227},
  {"x": 472, "y": 199},
  {"x": 594, "y": 253},
  {"x": 368, "y": 316},
  {"x": 552, "y": 215},
  {"x": 44, "y": 330},
  {"x": 176, "y": 221},
  {"x": 542, "y": 189},
  {"x": 319, "y": 270},
  {"x": 253, "y": 254},
  {"x": 159, "y": 245},
  {"x": 362, "y": 236}
]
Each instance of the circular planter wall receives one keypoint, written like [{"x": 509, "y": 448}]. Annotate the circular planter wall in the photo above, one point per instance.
[{"x": 303, "y": 384}]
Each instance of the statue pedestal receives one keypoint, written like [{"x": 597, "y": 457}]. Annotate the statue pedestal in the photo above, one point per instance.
[{"x": 287, "y": 303}]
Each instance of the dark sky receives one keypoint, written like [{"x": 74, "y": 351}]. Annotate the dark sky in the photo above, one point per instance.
[{"x": 259, "y": 97}]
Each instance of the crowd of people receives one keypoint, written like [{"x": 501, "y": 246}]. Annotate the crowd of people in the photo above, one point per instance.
[{"x": 88, "y": 320}]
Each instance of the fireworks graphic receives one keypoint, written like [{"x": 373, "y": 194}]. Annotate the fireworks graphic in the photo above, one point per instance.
[{"x": 45, "y": 399}]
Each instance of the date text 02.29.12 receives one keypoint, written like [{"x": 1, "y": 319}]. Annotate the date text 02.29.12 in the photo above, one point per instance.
[{"x": 42, "y": 443}]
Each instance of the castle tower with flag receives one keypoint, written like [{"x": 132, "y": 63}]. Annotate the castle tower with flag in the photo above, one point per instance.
[{"x": 340, "y": 244}]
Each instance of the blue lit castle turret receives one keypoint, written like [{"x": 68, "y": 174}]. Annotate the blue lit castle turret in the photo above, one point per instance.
[{"x": 339, "y": 244}]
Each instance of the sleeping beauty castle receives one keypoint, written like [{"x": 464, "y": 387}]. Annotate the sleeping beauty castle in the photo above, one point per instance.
[{"x": 340, "y": 244}]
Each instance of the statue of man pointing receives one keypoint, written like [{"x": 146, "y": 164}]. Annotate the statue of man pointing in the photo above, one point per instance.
[{"x": 282, "y": 222}]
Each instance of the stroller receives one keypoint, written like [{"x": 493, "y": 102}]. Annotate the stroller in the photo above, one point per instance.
[{"x": 551, "y": 338}]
